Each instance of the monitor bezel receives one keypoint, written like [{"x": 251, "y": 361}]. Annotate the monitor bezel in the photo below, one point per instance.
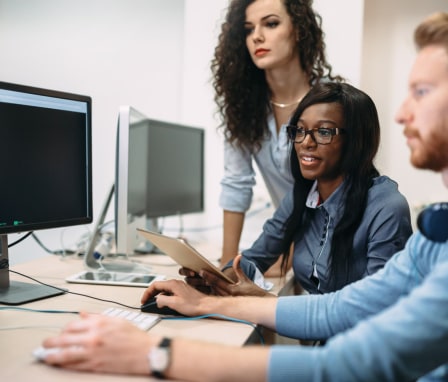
[{"x": 88, "y": 216}]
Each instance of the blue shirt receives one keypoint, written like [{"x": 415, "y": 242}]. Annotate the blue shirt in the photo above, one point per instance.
[
  {"x": 392, "y": 326},
  {"x": 239, "y": 176},
  {"x": 384, "y": 229}
]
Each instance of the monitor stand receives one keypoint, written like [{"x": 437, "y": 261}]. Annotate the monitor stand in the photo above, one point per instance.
[
  {"x": 110, "y": 264},
  {"x": 147, "y": 247},
  {"x": 16, "y": 292}
]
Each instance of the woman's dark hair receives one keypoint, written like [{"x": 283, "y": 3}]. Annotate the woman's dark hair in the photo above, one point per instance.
[
  {"x": 241, "y": 91},
  {"x": 360, "y": 145}
]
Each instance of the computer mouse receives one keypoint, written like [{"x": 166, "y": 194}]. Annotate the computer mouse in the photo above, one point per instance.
[
  {"x": 150, "y": 306},
  {"x": 41, "y": 353}
]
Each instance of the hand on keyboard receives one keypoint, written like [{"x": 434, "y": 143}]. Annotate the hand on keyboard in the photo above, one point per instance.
[{"x": 142, "y": 320}]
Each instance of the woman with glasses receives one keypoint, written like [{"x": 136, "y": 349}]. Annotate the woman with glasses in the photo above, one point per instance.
[
  {"x": 342, "y": 218},
  {"x": 269, "y": 54}
]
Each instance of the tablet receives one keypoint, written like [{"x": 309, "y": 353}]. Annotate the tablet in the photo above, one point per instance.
[
  {"x": 182, "y": 253},
  {"x": 114, "y": 278}
]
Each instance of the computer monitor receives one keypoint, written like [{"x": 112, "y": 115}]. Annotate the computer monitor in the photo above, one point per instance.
[
  {"x": 159, "y": 173},
  {"x": 46, "y": 176}
]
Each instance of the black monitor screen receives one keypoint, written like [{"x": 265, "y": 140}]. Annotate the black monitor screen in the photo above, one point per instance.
[{"x": 45, "y": 149}]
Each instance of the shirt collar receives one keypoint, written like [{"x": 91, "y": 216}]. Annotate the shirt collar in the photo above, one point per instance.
[
  {"x": 312, "y": 201},
  {"x": 334, "y": 205}
]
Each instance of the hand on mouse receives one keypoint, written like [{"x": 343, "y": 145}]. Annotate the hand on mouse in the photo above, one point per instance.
[{"x": 177, "y": 295}]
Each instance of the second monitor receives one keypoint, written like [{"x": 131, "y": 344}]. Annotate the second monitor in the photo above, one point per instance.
[{"x": 159, "y": 172}]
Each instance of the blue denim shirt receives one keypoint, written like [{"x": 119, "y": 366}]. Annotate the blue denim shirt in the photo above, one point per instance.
[
  {"x": 392, "y": 326},
  {"x": 384, "y": 229},
  {"x": 239, "y": 176}
]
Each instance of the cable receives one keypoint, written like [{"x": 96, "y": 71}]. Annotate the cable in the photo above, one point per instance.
[
  {"x": 19, "y": 240},
  {"x": 212, "y": 315},
  {"x": 38, "y": 310},
  {"x": 181, "y": 225},
  {"x": 55, "y": 252},
  {"x": 221, "y": 316},
  {"x": 74, "y": 293},
  {"x": 249, "y": 215},
  {"x": 46, "y": 249}
]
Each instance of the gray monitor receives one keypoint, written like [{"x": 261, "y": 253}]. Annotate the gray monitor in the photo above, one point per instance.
[{"x": 159, "y": 173}]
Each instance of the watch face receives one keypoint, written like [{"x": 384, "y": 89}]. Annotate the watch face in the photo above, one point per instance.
[{"x": 160, "y": 359}]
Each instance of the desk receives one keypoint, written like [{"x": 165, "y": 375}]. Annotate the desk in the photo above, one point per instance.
[{"x": 21, "y": 332}]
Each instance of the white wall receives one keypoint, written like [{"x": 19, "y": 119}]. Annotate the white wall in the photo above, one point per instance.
[
  {"x": 116, "y": 51},
  {"x": 388, "y": 53},
  {"x": 155, "y": 55},
  {"x": 202, "y": 26},
  {"x": 342, "y": 22}
]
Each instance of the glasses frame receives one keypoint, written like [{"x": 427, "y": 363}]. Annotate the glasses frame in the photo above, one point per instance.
[{"x": 291, "y": 129}]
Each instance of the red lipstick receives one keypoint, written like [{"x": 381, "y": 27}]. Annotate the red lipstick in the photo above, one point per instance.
[{"x": 261, "y": 52}]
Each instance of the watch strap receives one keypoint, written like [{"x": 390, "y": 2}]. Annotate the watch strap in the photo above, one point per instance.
[{"x": 165, "y": 343}]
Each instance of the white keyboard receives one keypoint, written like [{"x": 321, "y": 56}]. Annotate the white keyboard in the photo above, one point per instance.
[{"x": 144, "y": 321}]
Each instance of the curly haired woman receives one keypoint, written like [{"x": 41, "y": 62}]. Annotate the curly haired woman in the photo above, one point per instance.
[{"x": 269, "y": 55}]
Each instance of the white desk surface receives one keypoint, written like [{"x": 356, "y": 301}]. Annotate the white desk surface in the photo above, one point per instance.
[{"x": 21, "y": 332}]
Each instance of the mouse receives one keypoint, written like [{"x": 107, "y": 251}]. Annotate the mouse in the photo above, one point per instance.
[
  {"x": 150, "y": 306},
  {"x": 41, "y": 353}
]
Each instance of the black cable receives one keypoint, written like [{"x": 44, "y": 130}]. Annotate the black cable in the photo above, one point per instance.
[
  {"x": 74, "y": 293},
  {"x": 56, "y": 252},
  {"x": 212, "y": 315},
  {"x": 19, "y": 240}
]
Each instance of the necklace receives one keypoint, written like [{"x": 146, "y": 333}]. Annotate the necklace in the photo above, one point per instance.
[{"x": 283, "y": 105}]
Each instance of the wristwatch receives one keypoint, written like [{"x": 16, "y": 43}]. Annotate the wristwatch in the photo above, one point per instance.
[{"x": 159, "y": 358}]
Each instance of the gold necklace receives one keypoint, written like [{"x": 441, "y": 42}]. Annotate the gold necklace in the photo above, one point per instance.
[{"x": 283, "y": 105}]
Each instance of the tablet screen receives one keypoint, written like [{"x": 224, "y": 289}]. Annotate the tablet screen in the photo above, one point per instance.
[{"x": 114, "y": 278}]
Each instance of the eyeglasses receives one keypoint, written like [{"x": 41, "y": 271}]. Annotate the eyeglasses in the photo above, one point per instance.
[{"x": 320, "y": 135}]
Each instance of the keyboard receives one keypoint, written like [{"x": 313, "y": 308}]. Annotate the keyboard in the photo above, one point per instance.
[{"x": 144, "y": 321}]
